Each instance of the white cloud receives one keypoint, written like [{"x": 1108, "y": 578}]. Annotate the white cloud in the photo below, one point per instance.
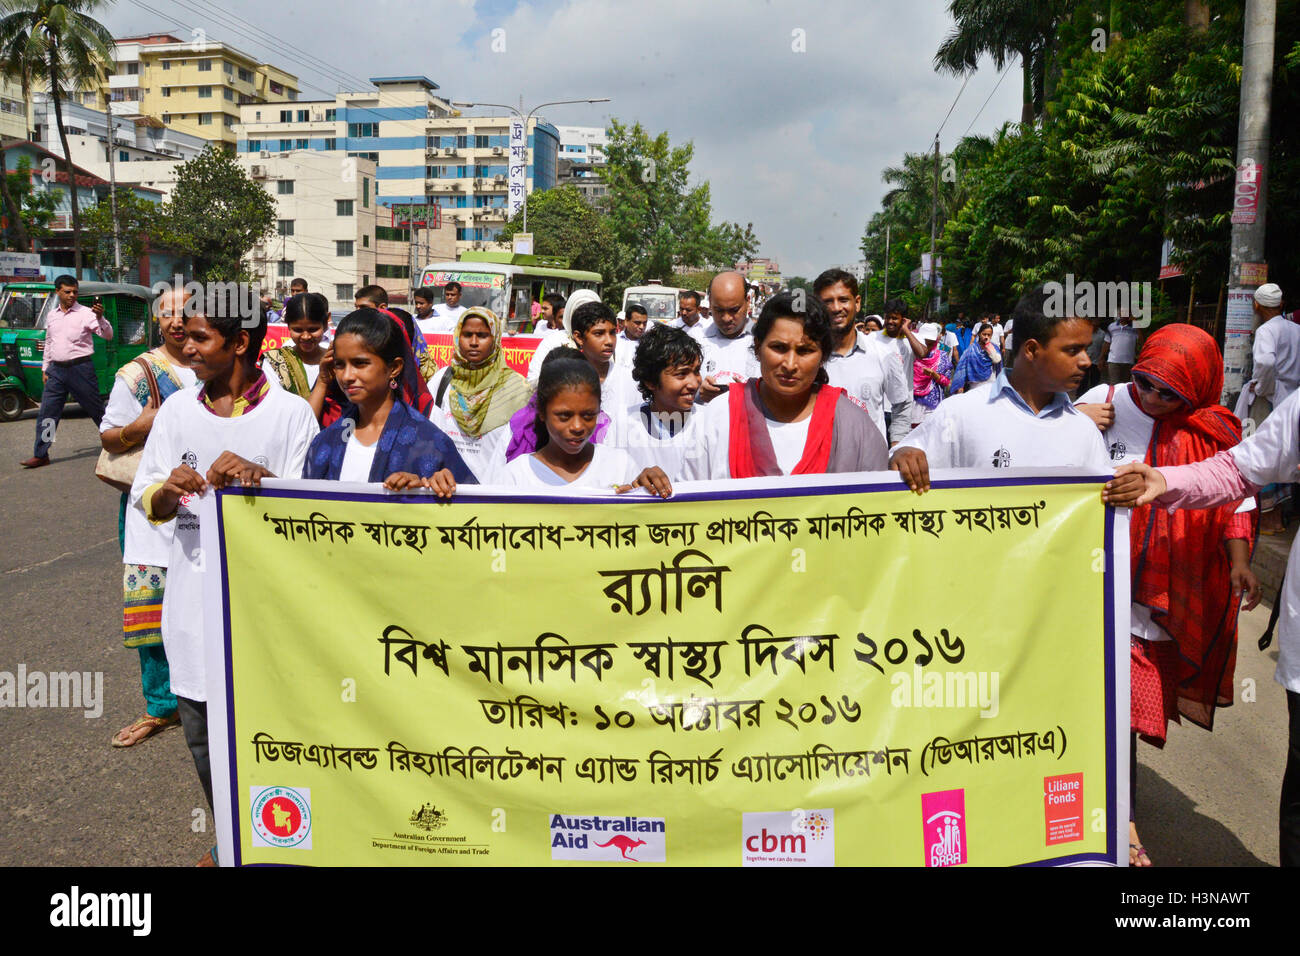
[{"x": 794, "y": 142}]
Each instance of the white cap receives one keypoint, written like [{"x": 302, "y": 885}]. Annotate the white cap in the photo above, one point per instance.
[
  {"x": 1269, "y": 295},
  {"x": 581, "y": 297},
  {"x": 929, "y": 331}
]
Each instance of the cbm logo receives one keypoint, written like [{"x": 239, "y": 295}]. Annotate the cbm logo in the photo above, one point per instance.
[{"x": 788, "y": 838}]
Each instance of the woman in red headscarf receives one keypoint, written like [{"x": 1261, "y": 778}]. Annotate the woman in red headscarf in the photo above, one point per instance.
[{"x": 1190, "y": 568}]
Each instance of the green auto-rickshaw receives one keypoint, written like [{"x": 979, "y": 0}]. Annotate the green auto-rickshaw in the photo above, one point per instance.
[{"x": 23, "y": 310}]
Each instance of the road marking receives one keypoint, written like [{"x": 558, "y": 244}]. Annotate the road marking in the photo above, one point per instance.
[{"x": 59, "y": 557}]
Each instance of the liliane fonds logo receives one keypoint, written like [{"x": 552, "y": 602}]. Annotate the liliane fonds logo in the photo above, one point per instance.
[{"x": 281, "y": 817}]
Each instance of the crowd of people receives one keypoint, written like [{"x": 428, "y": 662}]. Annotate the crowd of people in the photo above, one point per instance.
[{"x": 807, "y": 386}]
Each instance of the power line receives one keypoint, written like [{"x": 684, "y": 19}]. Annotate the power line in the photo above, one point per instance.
[
  {"x": 994, "y": 90},
  {"x": 953, "y": 107}
]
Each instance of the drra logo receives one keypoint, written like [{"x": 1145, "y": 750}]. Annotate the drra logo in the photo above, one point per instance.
[
  {"x": 1002, "y": 458},
  {"x": 264, "y": 461},
  {"x": 281, "y": 817},
  {"x": 608, "y": 839},
  {"x": 788, "y": 838},
  {"x": 943, "y": 815},
  {"x": 191, "y": 459},
  {"x": 1118, "y": 450}
]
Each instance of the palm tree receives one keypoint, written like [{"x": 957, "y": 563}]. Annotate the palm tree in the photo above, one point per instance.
[
  {"x": 1004, "y": 29},
  {"x": 57, "y": 43}
]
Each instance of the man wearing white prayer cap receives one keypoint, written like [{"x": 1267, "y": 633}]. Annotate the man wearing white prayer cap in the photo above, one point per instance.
[{"x": 1276, "y": 375}]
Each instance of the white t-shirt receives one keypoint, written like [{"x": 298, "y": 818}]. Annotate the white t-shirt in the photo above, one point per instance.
[
  {"x": 449, "y": 313},
  {"x": 1271, "y": 455},
  {"x": 274, "y": 434},
  {"x": 484, "y": 455},
  {"x": 998, "y": 334},
  {"x": 728, "y": 360},
  {"x": 625, "y": 350},
  {"x": 872, "y": 374},
  {"x": 1128, "y": 440},
  {"x": 145, "y": 543},
  {"x": 619, "y": 390},
  {"x": 902, "y": 347},
  {"x": 991, "y": 428},
  {"x": 1006, "y": 334},
  {"x": 695, "y": 331},
  {"x": 547, "y": 345},
  {"x": 436, "y": 324},
  {"x": 654, "y": 439},
  {"x": 357, "y": 459},
  {"x": 1123, "y": 341},
  {"x": 608, "y": 467},
  {"x": 710, "y": 458}
]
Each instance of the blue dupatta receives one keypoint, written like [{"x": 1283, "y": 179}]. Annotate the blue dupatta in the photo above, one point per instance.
[
  {"x": 409, "y": 442},
  {"x": 973, "y": 367}
]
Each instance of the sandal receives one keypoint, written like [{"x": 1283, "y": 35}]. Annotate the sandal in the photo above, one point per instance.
[
  {"x": 149, "y": 725},
  {"x": 1136, "y": 854}
]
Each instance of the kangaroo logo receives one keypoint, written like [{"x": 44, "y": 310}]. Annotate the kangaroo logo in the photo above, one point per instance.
[{"x": 623, "y": 845}]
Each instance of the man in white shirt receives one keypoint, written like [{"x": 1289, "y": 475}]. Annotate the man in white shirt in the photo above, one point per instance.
[
  {"x": 629, "y": 337},
  {"x": 867, "y": 372},
  {"x": 551, "y": 318},
  {"x": 426, "y": 319},
  {"x": 450, "y": 308},
  {"x": 1025, "y": 419},
  {"x": 688, "y": 315},
  {"x": 564, "y": 337},
  {"x": 234, "y": 429},
  {"x": 728, "y": 342},
  {"x": 1276, "y": 355},
  {"x": 1120, "y": 350}
]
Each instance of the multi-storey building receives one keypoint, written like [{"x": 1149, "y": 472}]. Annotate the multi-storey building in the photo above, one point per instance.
[
  {"x": 135, "y": 139},
  {"x": 13, "y": 111},
  {"x": 583, "y": 144},
  {"x": 195, "y": 86},
  {"x": 426, "y": 151}
]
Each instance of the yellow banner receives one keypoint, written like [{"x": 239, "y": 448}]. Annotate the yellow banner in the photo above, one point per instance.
[{"x": 812, "y": 674}]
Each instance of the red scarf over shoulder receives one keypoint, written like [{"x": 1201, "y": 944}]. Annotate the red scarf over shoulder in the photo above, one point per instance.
[
  {"x": 750, "y": 453},
  {"x": 1180, "y": 563}
]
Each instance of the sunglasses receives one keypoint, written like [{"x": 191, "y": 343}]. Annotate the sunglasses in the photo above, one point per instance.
[{"x": 1146, "y": 385}]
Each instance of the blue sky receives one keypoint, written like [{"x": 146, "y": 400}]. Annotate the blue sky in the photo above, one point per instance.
[{"x": 794, "y": 108}]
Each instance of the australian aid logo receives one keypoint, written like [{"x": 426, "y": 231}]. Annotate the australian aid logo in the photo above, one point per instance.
[
  {"x": 608, "y": 839},
  {"x": 281, "y": 817},
  {"x": 788, "y": 838},
  {"x": 943, "y": 815}
]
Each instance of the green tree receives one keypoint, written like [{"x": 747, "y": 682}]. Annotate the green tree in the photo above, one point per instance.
[
  {"x": 28, "y": 210},
  {"x": 564, "y": 224},
  {"x": 659, "y": 219},
  {"x": 58, "y": 43},
  {"x": 136, "y": 222},
  {"x": 216, "y": 214}
]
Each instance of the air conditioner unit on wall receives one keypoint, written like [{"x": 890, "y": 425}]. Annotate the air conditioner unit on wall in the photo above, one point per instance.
[
  {"x": 498, "y": 151},
  {"x": 257, "y": 172},
  {"x": 448, "y": 151}
]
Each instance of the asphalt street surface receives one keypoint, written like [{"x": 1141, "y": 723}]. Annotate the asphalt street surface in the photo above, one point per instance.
[{"x": 68, "y": 798}]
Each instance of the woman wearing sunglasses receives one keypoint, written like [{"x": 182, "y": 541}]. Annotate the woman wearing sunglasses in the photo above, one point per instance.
[{"x": 1190, "y": 568}]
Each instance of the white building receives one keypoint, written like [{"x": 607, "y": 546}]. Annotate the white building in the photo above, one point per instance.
[
  {"x": 583, "y": 144},
  {"x": 135, "y": 139}
]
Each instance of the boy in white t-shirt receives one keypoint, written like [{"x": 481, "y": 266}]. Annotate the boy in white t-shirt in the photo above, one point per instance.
[
  {"x": 1025, "y": 419},
  {"x": 233, "y": 429}
]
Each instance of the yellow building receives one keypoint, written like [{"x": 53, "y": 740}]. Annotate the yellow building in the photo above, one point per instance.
[{"x": 195, "y": 86}]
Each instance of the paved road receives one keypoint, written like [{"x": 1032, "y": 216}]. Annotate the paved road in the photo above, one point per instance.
[{"x": 66, "y": 797}]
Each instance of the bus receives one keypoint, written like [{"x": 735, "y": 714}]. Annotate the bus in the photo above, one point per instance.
[
  {"x": 507, "y": 283},
  {"x": 660, "y": 301}
]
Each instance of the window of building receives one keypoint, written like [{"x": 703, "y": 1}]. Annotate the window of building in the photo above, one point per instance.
[
  {"x": 133, "y": 69},
  {"x": 331, "y": 143},
  {"x": 480, "y": 142},
  {"x": 205, "y": 119},
  {"x": 286, "y": 145},
  {"x": 365, "y": 192},
  {"x": 228, "y": 67},
  {"x": 286, "y": 116},
  {"x": 284, "y": 227},
  {"x": 362, "y": 130},
  {"x": 205, "y": 66},
  {"x": 365, "y": 242},
  {"x": 254, "y": 145},
  {"x": 205, "y": 92},
  {"x": 392, "y": 272},
  {"x": 245, "y": 75},
  {"x": 231, "y": 121},
  {"x": 167, "y": 64},
  {"x": 344, "y": 293},
  {"x": 257, "y": 115},
  {"x": 123, "y": 156},
  {"x": 166, "y": 91},
  {"x": 277, "y": 89},
  {"x": 389, "y": 234},
  {"x": 284, "y": 187},
  {"x": 300, "y": 144},
  {"x": 365, "y": 280},
  {"x": 331, "y": 115},
  {"x": 343, "y": 247},
  {"x": 343, "y": 207},
  {"x": 303, "y": 116},
  {"x": 230, "y": 94},
  {"x": 286, "y": 268}
]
